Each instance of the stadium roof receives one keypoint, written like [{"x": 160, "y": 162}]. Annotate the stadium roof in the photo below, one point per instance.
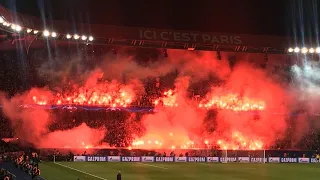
[
  {"x": 247, "y": 17},
  {"x": 267, "y": 23}
]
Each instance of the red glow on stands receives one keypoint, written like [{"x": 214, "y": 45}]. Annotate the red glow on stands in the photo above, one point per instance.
[
  {"x": 173, "y": 139},
  {"x": 169, "y": 99},
  {"x": 100, "y": 95},
  {"x": 165, "y": 139},
  {"x": 123, "y": 98},
  {"x": 240, "y": 142},
  {"x": 40, "y": 100},
  {"x": 237, "y": 141},
  {"x": 183, "y": 124},
  {"x": 232, "y": 102}
]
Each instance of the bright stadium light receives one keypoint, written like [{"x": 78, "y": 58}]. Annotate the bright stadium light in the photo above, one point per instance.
[
  {"x": 290, "y": 50},
  {"x": 296, "y": 50},
  {"x": 18, "y": 28},
  {"x": 1, "y": 20},
  {"x": 84, "y": 38},
  {"x": 304, "y": 50},
  {"x": 13, "y": 26},
  {"x": 318, "y": 50},
  {"x": 46, "y": 33},
  {"x": 90, "y": 38},
  {"x": 76, "y": 36},
  {"x": 29, "y": 30},
  {"x": 54, "y": 34},
  {"x": 4, "y": 23},
  {"x": 68, "y": 36},
  {"x": 35, "y": 32},
  {"x": 311, "y": 50}
]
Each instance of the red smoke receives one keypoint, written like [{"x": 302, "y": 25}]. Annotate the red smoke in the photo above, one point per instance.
[
  {"x": 263, "y": 126},
  {"x": 246, "y": 104},
  {"x": 78, "y": 137},
  {"x": 249, "y": 89},
  {"x": 31, "y": 124}
]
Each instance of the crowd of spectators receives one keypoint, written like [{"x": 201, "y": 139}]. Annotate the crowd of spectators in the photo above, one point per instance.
[
  {"x": 6, "y": 147},
  {"x": 28, "y": 165},
  {"x": 18, "y": 160},
  {"x": 6, "y": 175}
]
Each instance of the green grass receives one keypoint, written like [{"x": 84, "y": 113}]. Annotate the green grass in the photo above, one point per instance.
[{"x": 179, "y": 171}]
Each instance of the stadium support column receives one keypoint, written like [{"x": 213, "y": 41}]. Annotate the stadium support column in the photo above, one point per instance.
[{"x": 264, "y": 156}]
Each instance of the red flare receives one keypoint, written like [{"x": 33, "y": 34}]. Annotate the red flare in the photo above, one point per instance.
[
  {"x": 104, "y": 94},
  {"x": 232, "y": 102},
  {"x": 169, "y": 99}
]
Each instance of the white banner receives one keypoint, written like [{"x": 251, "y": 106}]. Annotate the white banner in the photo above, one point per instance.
[
  {"x": 96, "y": 158},
  {"x": 258, "y": 160},
  {"x": 274, "y": 160},
  {"x": 244, "y": 159},
  {"x": 212, "y": 159},
  {"x": 114, "y": 158},
  {"x": 130, "y": 159},
  {"x": 314, "y": 160},
  {"x": 289, "y": 160},
  {"x": 147, "y": 159},
  {"x": 164, "y": 159},
  {"x": 303, "y": 160},
  {"x": 197, "y": 159},
  {"x": 79, "y": 158},
  {"x": 180, "y": 159},
  {"x": 228, "y": 159}
]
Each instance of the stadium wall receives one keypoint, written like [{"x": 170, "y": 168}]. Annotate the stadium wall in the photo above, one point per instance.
[{"x": 192, "y": 159}]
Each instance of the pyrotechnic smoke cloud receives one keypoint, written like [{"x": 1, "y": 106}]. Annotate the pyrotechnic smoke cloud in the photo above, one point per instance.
[
  {"x": 266, "y": 125},
  {"x": 31, "y": 124},
  {"x": 81, "y": 136},
  {"x": 244, "y": 82},
  {"x": 306, "y": 83},
  {"x": 306, "y": 78},
  {"x": 125, "y": 66},
  {"x": 176, "y": 125},
  {"x": 185, "y": 121}
]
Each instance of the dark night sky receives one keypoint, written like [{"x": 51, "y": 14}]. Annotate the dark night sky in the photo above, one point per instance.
[{"x": 276, "y": 17}]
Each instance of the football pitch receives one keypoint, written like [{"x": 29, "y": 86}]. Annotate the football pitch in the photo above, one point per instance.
[{"x": 177, "y": 171}]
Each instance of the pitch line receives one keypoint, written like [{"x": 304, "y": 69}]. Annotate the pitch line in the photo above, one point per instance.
[
  {"x": 153, "y": 166},
  {"x": 80, "y": 171}
]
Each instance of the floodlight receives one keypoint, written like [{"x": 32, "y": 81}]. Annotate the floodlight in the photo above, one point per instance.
[
  {"x": 296, "y": 50},
  {"x": 46, "y": 33},
  {"x": 54, "y": 34},
  {"x": 311, "y": 50},
  {"x": 76, "y": 36},
  {"x": 304, "y": 50}
]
